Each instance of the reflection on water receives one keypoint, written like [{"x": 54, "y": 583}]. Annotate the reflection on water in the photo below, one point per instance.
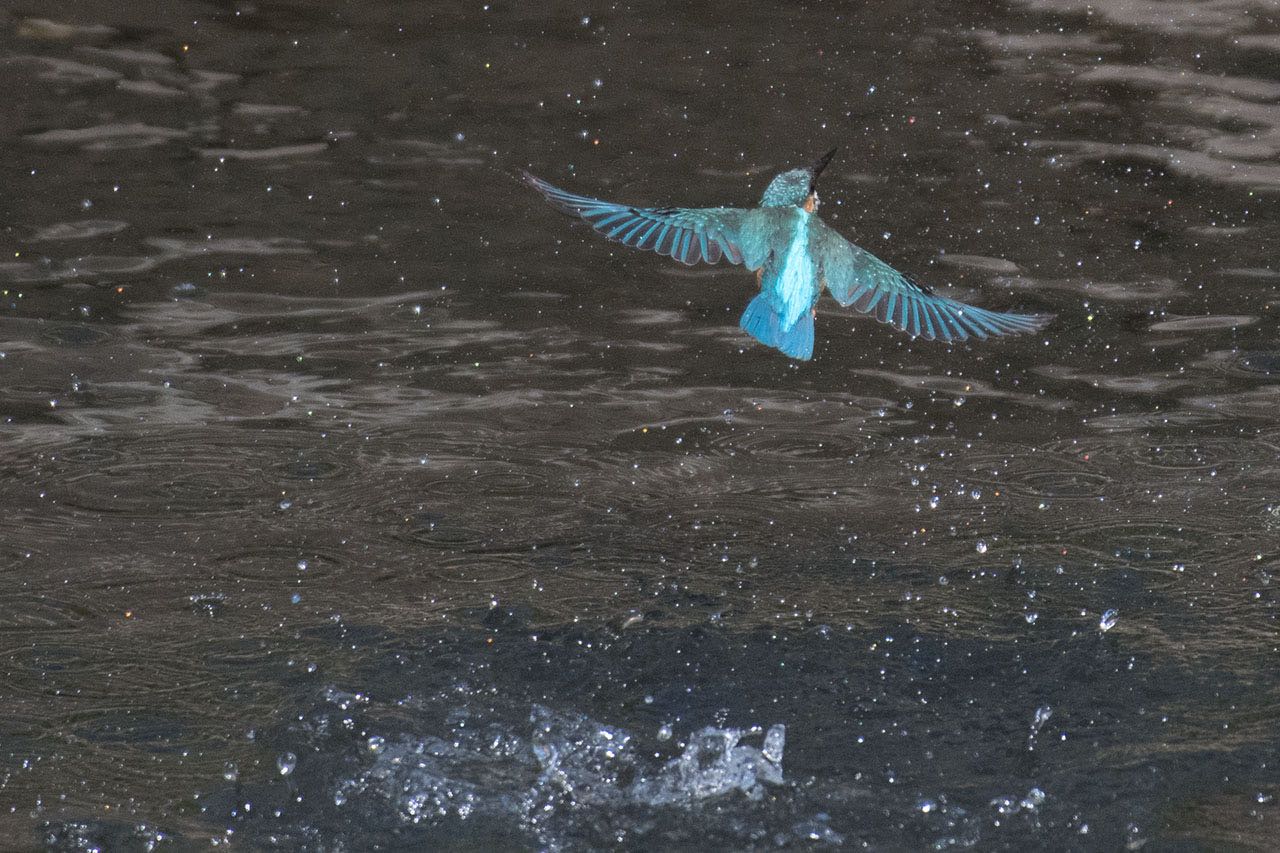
[{"x": 351, "y": 499}]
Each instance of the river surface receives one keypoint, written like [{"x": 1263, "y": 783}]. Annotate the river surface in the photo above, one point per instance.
[{"x": 351, "y": 498}]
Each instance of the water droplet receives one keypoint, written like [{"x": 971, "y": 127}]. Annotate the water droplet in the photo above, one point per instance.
[
  {"x": 664, "y": 732},
  {"x": 285, "y": 503},
  {"x": 376, "y": 744},
  {"x": 1108, "y": 620},
  {"x": 1033, "y": 800},
  {"x": 230, "y": 772},
  {"x": 926, "y": 806},
  {"x": 1042, "y": 715},
  {"x": 1005, "y": 805},
  {"x": 981, "y": 547},
  {"x": 774, "y": 741},
  {"x": 286, "y": 762},
  {"x": 302, "y": 565}
]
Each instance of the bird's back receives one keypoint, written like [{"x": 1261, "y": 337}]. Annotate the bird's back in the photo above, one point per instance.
[{"x": 790, "y": 276}]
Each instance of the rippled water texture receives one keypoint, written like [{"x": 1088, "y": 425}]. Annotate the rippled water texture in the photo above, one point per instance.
[{"x": 351, "y": 497}]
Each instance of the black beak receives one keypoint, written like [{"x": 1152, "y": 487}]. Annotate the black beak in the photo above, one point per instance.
[{"x": 816, "y": 168}]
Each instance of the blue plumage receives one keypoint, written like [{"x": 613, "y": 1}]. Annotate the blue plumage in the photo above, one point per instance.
[
  {"x": 762, "y": 322},
  {"x": 795, "y": 255},
  {"x": 688, "y": 235}
]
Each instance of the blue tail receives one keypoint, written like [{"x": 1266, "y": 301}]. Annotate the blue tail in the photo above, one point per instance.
[{"x": 762, "y": 323}]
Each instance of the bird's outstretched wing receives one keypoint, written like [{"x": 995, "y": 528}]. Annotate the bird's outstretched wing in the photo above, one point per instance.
[
  {"x": 687, "y": 234},
  {"x": 856, "y": 277}
]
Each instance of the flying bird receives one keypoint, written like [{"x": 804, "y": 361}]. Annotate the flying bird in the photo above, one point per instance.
[{"x": 794, "y": 255}]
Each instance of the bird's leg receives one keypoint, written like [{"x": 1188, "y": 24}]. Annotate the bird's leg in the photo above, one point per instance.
[{"x": 760, "y": 277}]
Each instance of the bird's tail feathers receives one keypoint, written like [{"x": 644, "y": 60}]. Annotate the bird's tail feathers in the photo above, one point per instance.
[{"x": 762, "y": 322}]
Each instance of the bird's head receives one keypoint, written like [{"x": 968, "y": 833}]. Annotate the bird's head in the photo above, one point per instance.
[{"x": 796, "y": 188}]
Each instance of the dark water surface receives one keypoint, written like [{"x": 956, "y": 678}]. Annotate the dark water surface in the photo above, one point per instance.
[{"x": 351, "y": 498}]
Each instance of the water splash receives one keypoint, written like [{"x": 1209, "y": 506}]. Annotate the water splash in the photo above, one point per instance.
[{"x": 544, "y": 777}]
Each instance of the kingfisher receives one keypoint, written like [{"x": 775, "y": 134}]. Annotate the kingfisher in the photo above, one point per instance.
[{"x": 794, "y": 254}]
